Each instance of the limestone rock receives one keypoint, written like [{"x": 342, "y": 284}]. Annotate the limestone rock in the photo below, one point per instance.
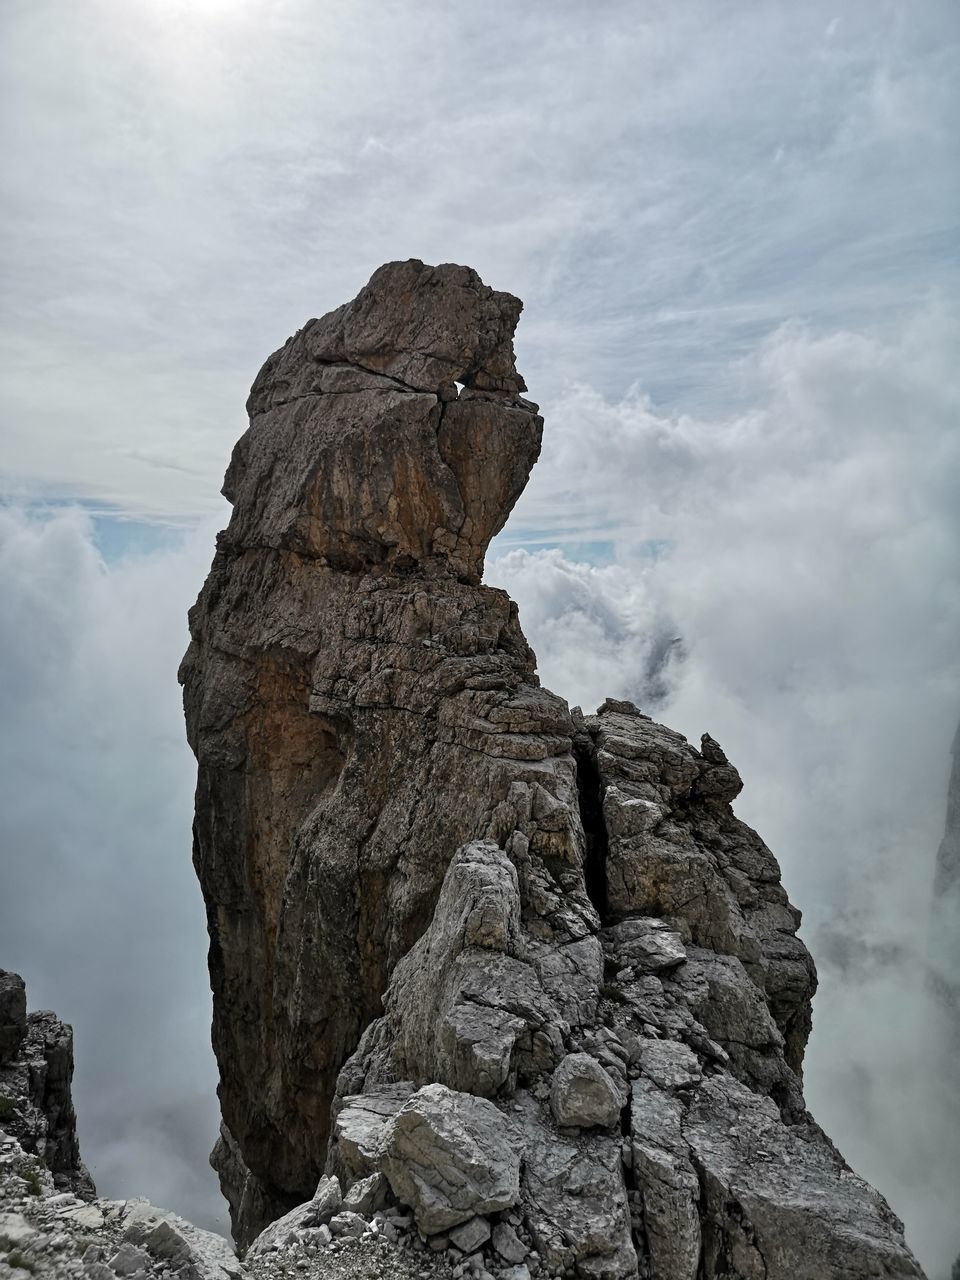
[
  {"x": 359, "y": 1128},
  {"x": 317, "y": 1212},
  {"x": 366, "y": 1196},
  {"x": 670, "y": 1064},
  {"x": 347, "y": 1223},
  {"x": 469, "y": 1236},
  {"x": 519, "y": 961},
  {"x": 575, "y": 1200},
  {"x": 508, "y": 1244},
  {"x": 346, "y": 677},
  {"x": 170, "y": 1240},
  {"x": 582, "y": 1095},
  {"x": 778, "y": 1204},
  {"x": 15, "y": 1231},
  {"x": 52, "y": 1234},
  {"x": 669, "y": 1211},
  {"x": 36, "y": 1073},
  {"x": 450, "y": 1157}
]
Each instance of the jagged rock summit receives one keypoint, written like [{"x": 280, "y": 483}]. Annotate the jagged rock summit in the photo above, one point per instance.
[{"x": 512, "y": 976}]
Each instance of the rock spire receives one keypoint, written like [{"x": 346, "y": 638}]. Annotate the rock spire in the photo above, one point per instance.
[{"x": 515, "y": 971}]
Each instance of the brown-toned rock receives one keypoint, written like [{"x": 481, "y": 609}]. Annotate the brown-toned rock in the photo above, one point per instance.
[
  {"x": 505, "y": 959},
  {"x": 358, "y": 705}
]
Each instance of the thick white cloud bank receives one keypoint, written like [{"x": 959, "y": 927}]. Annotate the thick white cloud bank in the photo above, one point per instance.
[
  {"x": 100, "y": 910},
  {"x": 785, "y": 578}
]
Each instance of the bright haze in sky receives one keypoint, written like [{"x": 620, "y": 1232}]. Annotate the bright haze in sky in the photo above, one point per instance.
[{"x": 734, "y": 228}]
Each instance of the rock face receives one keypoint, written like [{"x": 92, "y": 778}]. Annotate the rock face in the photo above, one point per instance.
[
  {"x": 36, "y": 1071},
  {"x": 525, "y": 968}
]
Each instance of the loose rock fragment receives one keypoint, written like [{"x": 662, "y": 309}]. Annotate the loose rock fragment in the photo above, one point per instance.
[
  {"x": 582, "y": 1094},
  {"x": 450, "y": 1157}
]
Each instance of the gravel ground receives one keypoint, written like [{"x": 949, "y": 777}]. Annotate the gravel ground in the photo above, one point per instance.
[{"x": 46, "y": 1234}]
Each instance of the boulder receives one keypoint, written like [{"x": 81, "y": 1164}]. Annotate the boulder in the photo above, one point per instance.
[
  {"x": 582, "y": 1095},
  {"x": 450, "y": 1157}
]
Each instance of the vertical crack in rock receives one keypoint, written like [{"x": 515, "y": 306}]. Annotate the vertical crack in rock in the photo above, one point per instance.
[
  {"x": 590, "y": 800},
  {"x": 423, "y": 985}
]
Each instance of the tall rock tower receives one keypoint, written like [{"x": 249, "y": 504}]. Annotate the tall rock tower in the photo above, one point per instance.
[{"x": 441, "y": 903}]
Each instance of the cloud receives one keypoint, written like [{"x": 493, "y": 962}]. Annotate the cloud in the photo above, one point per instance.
[
  {"x": 100, "y": 911},
  {"x": 184, "y": 186}
]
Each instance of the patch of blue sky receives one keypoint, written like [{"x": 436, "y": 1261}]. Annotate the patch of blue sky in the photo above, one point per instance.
[
  {"x": 595, "y": 551},
  {"x": 116, "y": 536},
  {"x": 120, "y": 538}
]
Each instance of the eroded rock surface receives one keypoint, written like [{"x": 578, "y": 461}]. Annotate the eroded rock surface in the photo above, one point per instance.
[
  {"x": 36, "y": 1073},
  {"x": 522, "y": 974}
]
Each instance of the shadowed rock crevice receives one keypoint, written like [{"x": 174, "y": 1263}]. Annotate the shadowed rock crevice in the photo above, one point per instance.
[
  {"x": 518, "y": 975},
  {"x": 590, "y": 801}
]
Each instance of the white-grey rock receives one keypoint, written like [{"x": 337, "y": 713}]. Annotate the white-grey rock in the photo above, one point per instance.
[
  {"x": 282, "y": 1231},
  {"x": 582, "y": 1095},
  {"x": 508, "y": 1244},
  {"x": 469, "y": 1236},
  {"x": 168, "y": 1238},
  {"x": 359, "y": 1127},
  {"x": 450, "y": 1157},
  {"x": 670, "y": 1064},
  {"x": 521, "y": 1272},
  {"x": 367, "y": 1195},
  {"x": 129, "y": 1261},
  {"x": 575, "y": 1200},
  {"x": 668, "y": 1184},
  {"x": 348, "y": 1224},
  {"x": 15, "y": 1231},
  {"x": 780, "y": 1205}
]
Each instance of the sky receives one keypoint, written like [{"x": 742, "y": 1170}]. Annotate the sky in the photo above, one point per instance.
[{"x": 733, "y": 225}]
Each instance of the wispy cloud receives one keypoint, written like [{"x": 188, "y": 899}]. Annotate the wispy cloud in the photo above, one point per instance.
[{"x": 183, "y": 187}]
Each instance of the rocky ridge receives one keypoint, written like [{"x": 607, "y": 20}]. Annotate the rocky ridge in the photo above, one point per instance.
[
  {"x": 36, "y": 1103},
  {"x": 514, "y": 975}
]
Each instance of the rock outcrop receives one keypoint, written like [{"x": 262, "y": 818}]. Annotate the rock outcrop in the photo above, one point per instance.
[
  {"x": 517, "y": 971},
  {"x": 51, "y": 1223},
  {"x": 36, "y": 1073}
]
